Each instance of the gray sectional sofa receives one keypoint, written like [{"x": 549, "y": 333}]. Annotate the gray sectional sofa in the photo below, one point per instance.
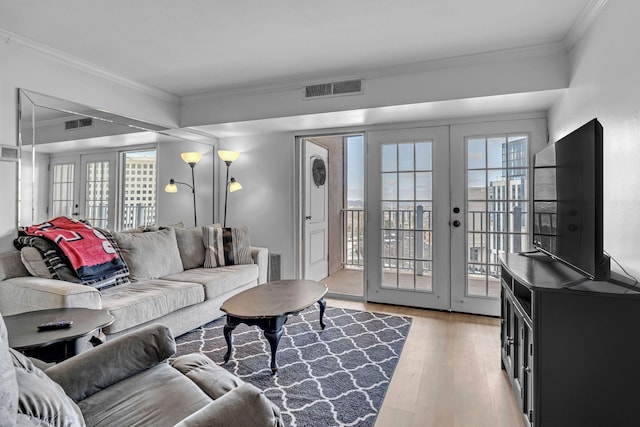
[{"x": 168, "y": 283}]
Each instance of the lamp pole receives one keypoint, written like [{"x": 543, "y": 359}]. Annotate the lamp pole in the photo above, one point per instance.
[
  {"x": 193, "y": 190},
  {"x": 226, "y": 194}
]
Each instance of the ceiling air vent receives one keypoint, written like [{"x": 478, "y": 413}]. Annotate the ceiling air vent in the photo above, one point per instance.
[
  {"x": 78, "y": 124},
  {"x": 345, "y": 87}
]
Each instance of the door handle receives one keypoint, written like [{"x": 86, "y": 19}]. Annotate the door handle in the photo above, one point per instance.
[
  {"x": 307, "y": 217},
  {"x": 456, "y": 223}
]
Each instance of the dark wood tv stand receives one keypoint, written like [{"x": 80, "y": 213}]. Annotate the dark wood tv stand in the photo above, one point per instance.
[{"x": 570, "y": 346}]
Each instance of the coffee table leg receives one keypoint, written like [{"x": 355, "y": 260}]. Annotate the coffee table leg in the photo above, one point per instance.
[
  {"x": 322, "y": 303},
  {"x": 274, "y": 338},
  {"x": 228, "y": 328}
]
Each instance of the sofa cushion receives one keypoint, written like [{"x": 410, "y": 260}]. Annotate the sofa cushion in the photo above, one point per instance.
[
  {"x": 8, "y": 382},
  {"x": 141, "y": 302},
  {"x": 150, "y": 255},
  {"x": 11, "y": 266},
  {"x": 159, "y": 396},
  {"x": 21, "y": 294},
  {"x": 190, "y": 246},
  {"x": 218, "y": 281},
  {"x": 211, "y": 378},
  {"x": 41, "y": 400},
  {"x": 226, "y": 246}
]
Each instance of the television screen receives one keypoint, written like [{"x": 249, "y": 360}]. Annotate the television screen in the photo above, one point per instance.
[{"x": 568, "y": 223}]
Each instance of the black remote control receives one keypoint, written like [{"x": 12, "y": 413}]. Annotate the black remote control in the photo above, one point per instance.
[{"x": 49, "y": 326}]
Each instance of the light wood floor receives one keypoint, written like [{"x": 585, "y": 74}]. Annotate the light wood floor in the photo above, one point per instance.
[{"x": 449, "y": 372}]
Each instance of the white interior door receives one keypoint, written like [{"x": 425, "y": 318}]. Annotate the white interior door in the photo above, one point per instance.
[
  {"x": 316, "y": 223},
  {"x": 407, "y": 204}
]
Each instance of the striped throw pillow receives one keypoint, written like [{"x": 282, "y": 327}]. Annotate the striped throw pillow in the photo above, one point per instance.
[{"x": 226, "y": 246}]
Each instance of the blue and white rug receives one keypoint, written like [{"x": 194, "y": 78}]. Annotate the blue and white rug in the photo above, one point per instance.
[{"x": 332, "y": 377}]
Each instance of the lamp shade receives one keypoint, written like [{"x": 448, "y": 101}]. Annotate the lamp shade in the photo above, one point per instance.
[
  {"x": 228, "y": 156},
  {"x": 234, "y": 185},
  {"x": 171, "y": 187},
  {"x": 191, "y": 157}
]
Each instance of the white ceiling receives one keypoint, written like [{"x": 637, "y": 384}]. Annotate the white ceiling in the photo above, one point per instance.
[{"x": 206, "y": 46}]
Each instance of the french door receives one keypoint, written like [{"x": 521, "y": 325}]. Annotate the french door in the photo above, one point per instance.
[
  {"x": 443, "y": 203},
  {"x": 83, "y": 186},
  {"x": 408, "y": 246}
]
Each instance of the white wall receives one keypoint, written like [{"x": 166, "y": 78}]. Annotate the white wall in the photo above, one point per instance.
[
  {"x": 605, "y": 84},
  {"x": 178, "y": 207},
  {"x": 266, "y": 170},
  {"x": 21, "y": 67}
]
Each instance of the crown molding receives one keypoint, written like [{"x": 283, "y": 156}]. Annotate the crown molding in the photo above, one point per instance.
[
  {"x": 584, "y": 20},
  {"x": 388, "y": 71},
  {"x": 85, "y": 66}
]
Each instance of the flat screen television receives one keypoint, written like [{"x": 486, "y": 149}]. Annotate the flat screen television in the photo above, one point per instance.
[{"x": 568, "y": 201}]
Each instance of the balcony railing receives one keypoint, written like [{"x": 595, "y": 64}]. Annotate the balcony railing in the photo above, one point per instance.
[
  {"x": 353, "y": 237},
  {"x": 408, "y": 237},
  {"x": 137, "y": 214}
]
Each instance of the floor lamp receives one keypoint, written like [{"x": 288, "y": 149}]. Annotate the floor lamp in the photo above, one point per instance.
[
  {"x": 191, "y": 158},
  {"x": 231, "y": 185}
]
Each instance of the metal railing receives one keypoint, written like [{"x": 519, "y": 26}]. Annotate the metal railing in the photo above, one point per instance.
[
  {"x": 137, "y": 214},
  {"x": 408, "y": 240},
  {"x": 353, "y": 237}
]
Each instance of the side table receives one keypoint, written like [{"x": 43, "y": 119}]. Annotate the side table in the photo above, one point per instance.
[{"x": 58, "y": 344}]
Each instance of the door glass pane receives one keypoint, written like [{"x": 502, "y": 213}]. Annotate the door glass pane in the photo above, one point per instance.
[
  {"x": 405, "y": 157},
  {"x": 424, "y": 185},
  {"x": 97, "y": 193},
  {"x": 389, "y": 186},
  {"x": 476, "y": 153},
  {"x": 389, "y": 158},
  {"x": 405, "y": 186},
  {"x": 423, "y": 156},
  {"x": 497, "y": 207},
  {"x": 407, "y": 259},
  {"x": 495, "y": 152},
  {"x": 63, "y": 189},
  {"x": 139, "y": 189}
]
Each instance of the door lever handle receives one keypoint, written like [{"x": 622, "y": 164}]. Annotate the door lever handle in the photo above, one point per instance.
[{"x": 307, "y": 217}]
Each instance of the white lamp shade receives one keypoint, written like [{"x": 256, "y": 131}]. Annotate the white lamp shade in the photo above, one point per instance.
[
  {"x": 191, "y": 157},
  {"x": 234, "y": 185},
  {"x": 171, "y": 187},
  {"x": 228, "y": 156}
]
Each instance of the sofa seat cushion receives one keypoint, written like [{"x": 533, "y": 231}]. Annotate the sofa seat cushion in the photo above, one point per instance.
[
  {"x": 160, "y": 396},
  {"x": 220, "y": 280},
  {"x": 141, "y": 302}
]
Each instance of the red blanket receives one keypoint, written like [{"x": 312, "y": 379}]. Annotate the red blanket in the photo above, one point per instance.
[{"x": 89, "y": 252}]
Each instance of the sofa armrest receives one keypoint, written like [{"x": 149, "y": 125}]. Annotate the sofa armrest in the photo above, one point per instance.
[
  {"x": 21, "y": 294},
  {"x": 245, "y": 406},
  {"x": 261, "y": 257},
  {"x": 118, "y": 359}
]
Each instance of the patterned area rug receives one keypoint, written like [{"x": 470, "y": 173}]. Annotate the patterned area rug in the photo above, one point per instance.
[{"x": 332, "y": 377}]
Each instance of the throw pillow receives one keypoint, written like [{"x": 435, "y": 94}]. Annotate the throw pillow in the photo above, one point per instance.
[
  {"x": 40, "y": 398},
  {"x": 191, "y": 247},
  {"x": 56, "y": 264},
  {"x": 150, "y": 255},
  {"x": 34, "y": 263},
  {"x": 226, "y": 246}
]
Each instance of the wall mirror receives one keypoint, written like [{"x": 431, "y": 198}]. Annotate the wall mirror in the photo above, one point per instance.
[{"x": 59, "y": 141}]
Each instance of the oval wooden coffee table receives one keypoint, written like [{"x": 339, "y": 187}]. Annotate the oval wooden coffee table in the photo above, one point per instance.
[{"x": 268, "y": 306}]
